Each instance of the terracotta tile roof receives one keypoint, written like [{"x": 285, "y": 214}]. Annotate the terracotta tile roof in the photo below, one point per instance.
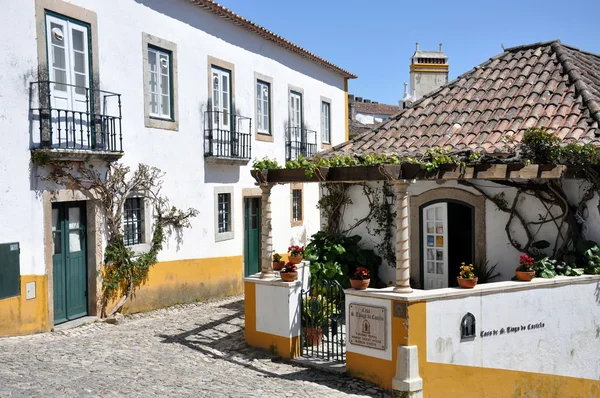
[
  {"x": 357, "y": 128},
  {"x": 229, "y": 15},
  {"x": 375, "y": 109},
  {"x": 549, "y": 85}
]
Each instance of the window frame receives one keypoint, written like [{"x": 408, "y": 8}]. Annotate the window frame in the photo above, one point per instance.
[
  {"x": 152, "y": 120},
  {"x": 294, "y": 221},
  {"x": 259, "y": 117},
  {"x": 230, "y": 234},
  {"x": 140, "y": 222},
  {"x": 261, "y": 135},
  {"x": 328, "y": 140},
  {"x": 169, "y": 54}
]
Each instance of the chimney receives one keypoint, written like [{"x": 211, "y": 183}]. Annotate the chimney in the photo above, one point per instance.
[
  {"x": 417, "y": 46},
  {"x": 375, "y": 102},
  {"x": 367, "y": 101},
  {"x": 441, "y": 48},
  {"x": 350, "y": 97},
  {"x": 358, "y": 99}
]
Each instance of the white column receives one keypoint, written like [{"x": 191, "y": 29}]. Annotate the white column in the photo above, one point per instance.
[
  {"x": 266, "y": 258},
  {"x": 402, "y": 239}
]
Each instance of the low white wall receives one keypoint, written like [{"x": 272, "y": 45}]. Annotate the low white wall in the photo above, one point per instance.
[{"x": 545, "y": 329}]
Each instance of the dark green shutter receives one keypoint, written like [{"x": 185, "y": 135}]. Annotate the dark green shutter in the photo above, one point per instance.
[{"x": 9, "y": 270}]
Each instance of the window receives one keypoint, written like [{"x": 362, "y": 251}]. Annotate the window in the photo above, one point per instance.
[
  {"x": 223, "y": 213},
  {"x": 263, "y": 107},
  {"x": 224, "y": 224},
  {"x": 325, "y": 122},
  {"x": 133, "y": 220},
  {"x": 159, "y": 82},
  {"x": 467, "y": 327},
  {"x": 296, "y": 204}
]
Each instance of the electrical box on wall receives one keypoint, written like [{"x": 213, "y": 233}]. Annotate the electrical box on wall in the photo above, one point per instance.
[{"x": 10, "y": 274}]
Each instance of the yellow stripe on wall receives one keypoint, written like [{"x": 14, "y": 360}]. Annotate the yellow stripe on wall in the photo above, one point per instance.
[
  {"x": 19, "y": 316},
  {"x": 184, "y": 281}
]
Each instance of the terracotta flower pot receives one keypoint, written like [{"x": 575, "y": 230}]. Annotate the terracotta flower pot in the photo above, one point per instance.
[
  {"x": 360, "y": 284},
  {"x": 313, "y": 336},
  {"x": 467, "y": 283},
  {"x": 289, "y": 276},
  {"x": 525, "y": 275},
  {"x": 296, "y": 259},
  {"x": 278, "y": 265}
]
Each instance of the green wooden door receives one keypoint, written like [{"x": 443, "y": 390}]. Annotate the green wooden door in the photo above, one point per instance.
[
  {"x": 69, "y": 261},
  {"x": 251, "y": 236}
]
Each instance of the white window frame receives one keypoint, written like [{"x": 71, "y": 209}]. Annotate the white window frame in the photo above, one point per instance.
[
  {"x": 227, "y": 235},
  {"x": 325, "y": 122},
  {"x": 160, "y": 54},
  {"x": 263, "y": 103}
]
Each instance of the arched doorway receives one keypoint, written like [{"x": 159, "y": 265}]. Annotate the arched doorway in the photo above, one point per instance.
[{"x": 447, "y": 239}]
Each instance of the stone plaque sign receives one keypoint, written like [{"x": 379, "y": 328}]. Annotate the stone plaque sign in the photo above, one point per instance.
[{"x": 367, "y": 326}]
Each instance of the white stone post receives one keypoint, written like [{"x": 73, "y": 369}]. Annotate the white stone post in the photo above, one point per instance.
[
  {"x": 266, "y": 258},
  {"x": 407, "y": 382},
  {"x": 402, "y": 239}
]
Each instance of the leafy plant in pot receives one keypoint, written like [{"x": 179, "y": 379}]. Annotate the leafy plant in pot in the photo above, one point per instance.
[
  {"x": 466, "y": 277},
  {"x": 317, "y": 313},
  {"x": 525, "y": 270},
  {"x": 360, "y": 279},
  {"x": 289, "y": 273},
  {"x": 296, "y": 254},
  {"x": 278, "y": 263}
]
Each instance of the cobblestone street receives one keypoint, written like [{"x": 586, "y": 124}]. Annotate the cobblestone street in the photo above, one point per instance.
[{"x": 189, "y": 350}]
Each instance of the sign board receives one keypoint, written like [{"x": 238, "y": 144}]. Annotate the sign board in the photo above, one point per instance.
[{"x": 367, "y": 326}]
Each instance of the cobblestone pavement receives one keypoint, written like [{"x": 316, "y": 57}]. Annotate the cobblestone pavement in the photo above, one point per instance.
[{"x": 195, "y": 350}]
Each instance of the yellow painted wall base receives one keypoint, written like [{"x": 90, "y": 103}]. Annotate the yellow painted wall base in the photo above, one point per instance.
[
  {"x": 184, "y": 281},
  {"x": 376, "y": 370},
  {"x": 282, "y": 346},
  {"x": 19, "y": 316}
]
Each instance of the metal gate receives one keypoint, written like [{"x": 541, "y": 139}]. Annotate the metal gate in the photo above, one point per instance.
[{"x": 323, "y": 321}]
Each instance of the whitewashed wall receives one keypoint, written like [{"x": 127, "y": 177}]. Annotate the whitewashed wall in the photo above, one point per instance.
[
  {"x": 189, "y": 180},
  {"x": 552, "y": 330},
  {"x": 499, "y": 250},
  {"x": 369, "y": 118}
]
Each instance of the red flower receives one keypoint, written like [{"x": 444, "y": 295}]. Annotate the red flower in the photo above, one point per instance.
[
  {"x": 289, "y": 267},
  {"x": 296, "y": 250}
]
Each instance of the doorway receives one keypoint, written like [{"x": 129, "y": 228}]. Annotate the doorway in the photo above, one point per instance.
[
  {"x": 251, "y": 236},
  {"x": 69, "y": 261},
  {"x": 447, "y": 241}
]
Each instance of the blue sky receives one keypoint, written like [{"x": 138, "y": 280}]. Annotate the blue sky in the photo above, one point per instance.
[{"x": 375, "y": 39}]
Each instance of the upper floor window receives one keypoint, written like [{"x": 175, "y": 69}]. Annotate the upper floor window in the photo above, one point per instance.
[
  {"x": 133, "y": 220},
  {"x": 263, "y": 107},
  {"x": 159, "y": 82},
  {"x": 325, "y": 122}
]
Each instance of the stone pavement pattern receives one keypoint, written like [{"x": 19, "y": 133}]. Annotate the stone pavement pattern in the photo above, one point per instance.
[{"x": 195, "y": 350}]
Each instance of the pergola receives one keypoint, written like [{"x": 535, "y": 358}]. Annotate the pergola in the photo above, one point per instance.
[{"x": 400, "y": 176}]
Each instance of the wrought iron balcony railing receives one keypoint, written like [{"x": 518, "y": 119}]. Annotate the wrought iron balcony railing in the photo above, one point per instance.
[
  {"x": 227, "y": 136},
  {"x": 76, "y": 118},
  {"x": 299, "y": 141}
]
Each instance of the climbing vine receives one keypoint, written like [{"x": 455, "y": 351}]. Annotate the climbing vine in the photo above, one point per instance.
[{"x": 124, "y": 271}]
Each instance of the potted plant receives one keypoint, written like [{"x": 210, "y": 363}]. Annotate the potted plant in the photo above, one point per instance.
[
  {"x": 317, "y": 313},
  {"x": 360, "y": 279},
  {"x": 278, "y": 263},
  {"x": 466, "y": 277},
  {"x": 296, "y": 254},
  {"x": 525, "y": 270},
  {"x": 289, "y": 273}
]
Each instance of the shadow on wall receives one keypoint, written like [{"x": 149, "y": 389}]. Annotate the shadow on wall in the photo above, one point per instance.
[{"x": 213, "y": 25}]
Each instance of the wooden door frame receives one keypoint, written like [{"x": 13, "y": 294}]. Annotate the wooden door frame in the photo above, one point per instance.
[
  {"x": 93, "y": 217},
  {"x": 251, "y": 193}
]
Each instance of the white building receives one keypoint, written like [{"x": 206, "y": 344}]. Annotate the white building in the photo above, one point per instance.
[{"x": 186, "y": 86}]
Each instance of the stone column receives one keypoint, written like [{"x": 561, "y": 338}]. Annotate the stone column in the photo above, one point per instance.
[
  {"x": 402, "y": 239},
  {"x": 266, "y": 258}
]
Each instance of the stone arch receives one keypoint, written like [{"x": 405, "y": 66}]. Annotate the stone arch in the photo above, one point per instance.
[{"x": 477, "y": 202}]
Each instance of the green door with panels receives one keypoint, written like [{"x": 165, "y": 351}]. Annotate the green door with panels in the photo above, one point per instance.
[
  {"x": 69, "y": 261},
  {"x": 251, "y": 236}
]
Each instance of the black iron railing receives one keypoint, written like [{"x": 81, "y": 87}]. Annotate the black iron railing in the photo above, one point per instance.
[
  {"x": 299, "y": 141},
  {"x": 227, "y": 135},
  {"x": 323, "y": 322},
  {"x": 76, "y": 117}
]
